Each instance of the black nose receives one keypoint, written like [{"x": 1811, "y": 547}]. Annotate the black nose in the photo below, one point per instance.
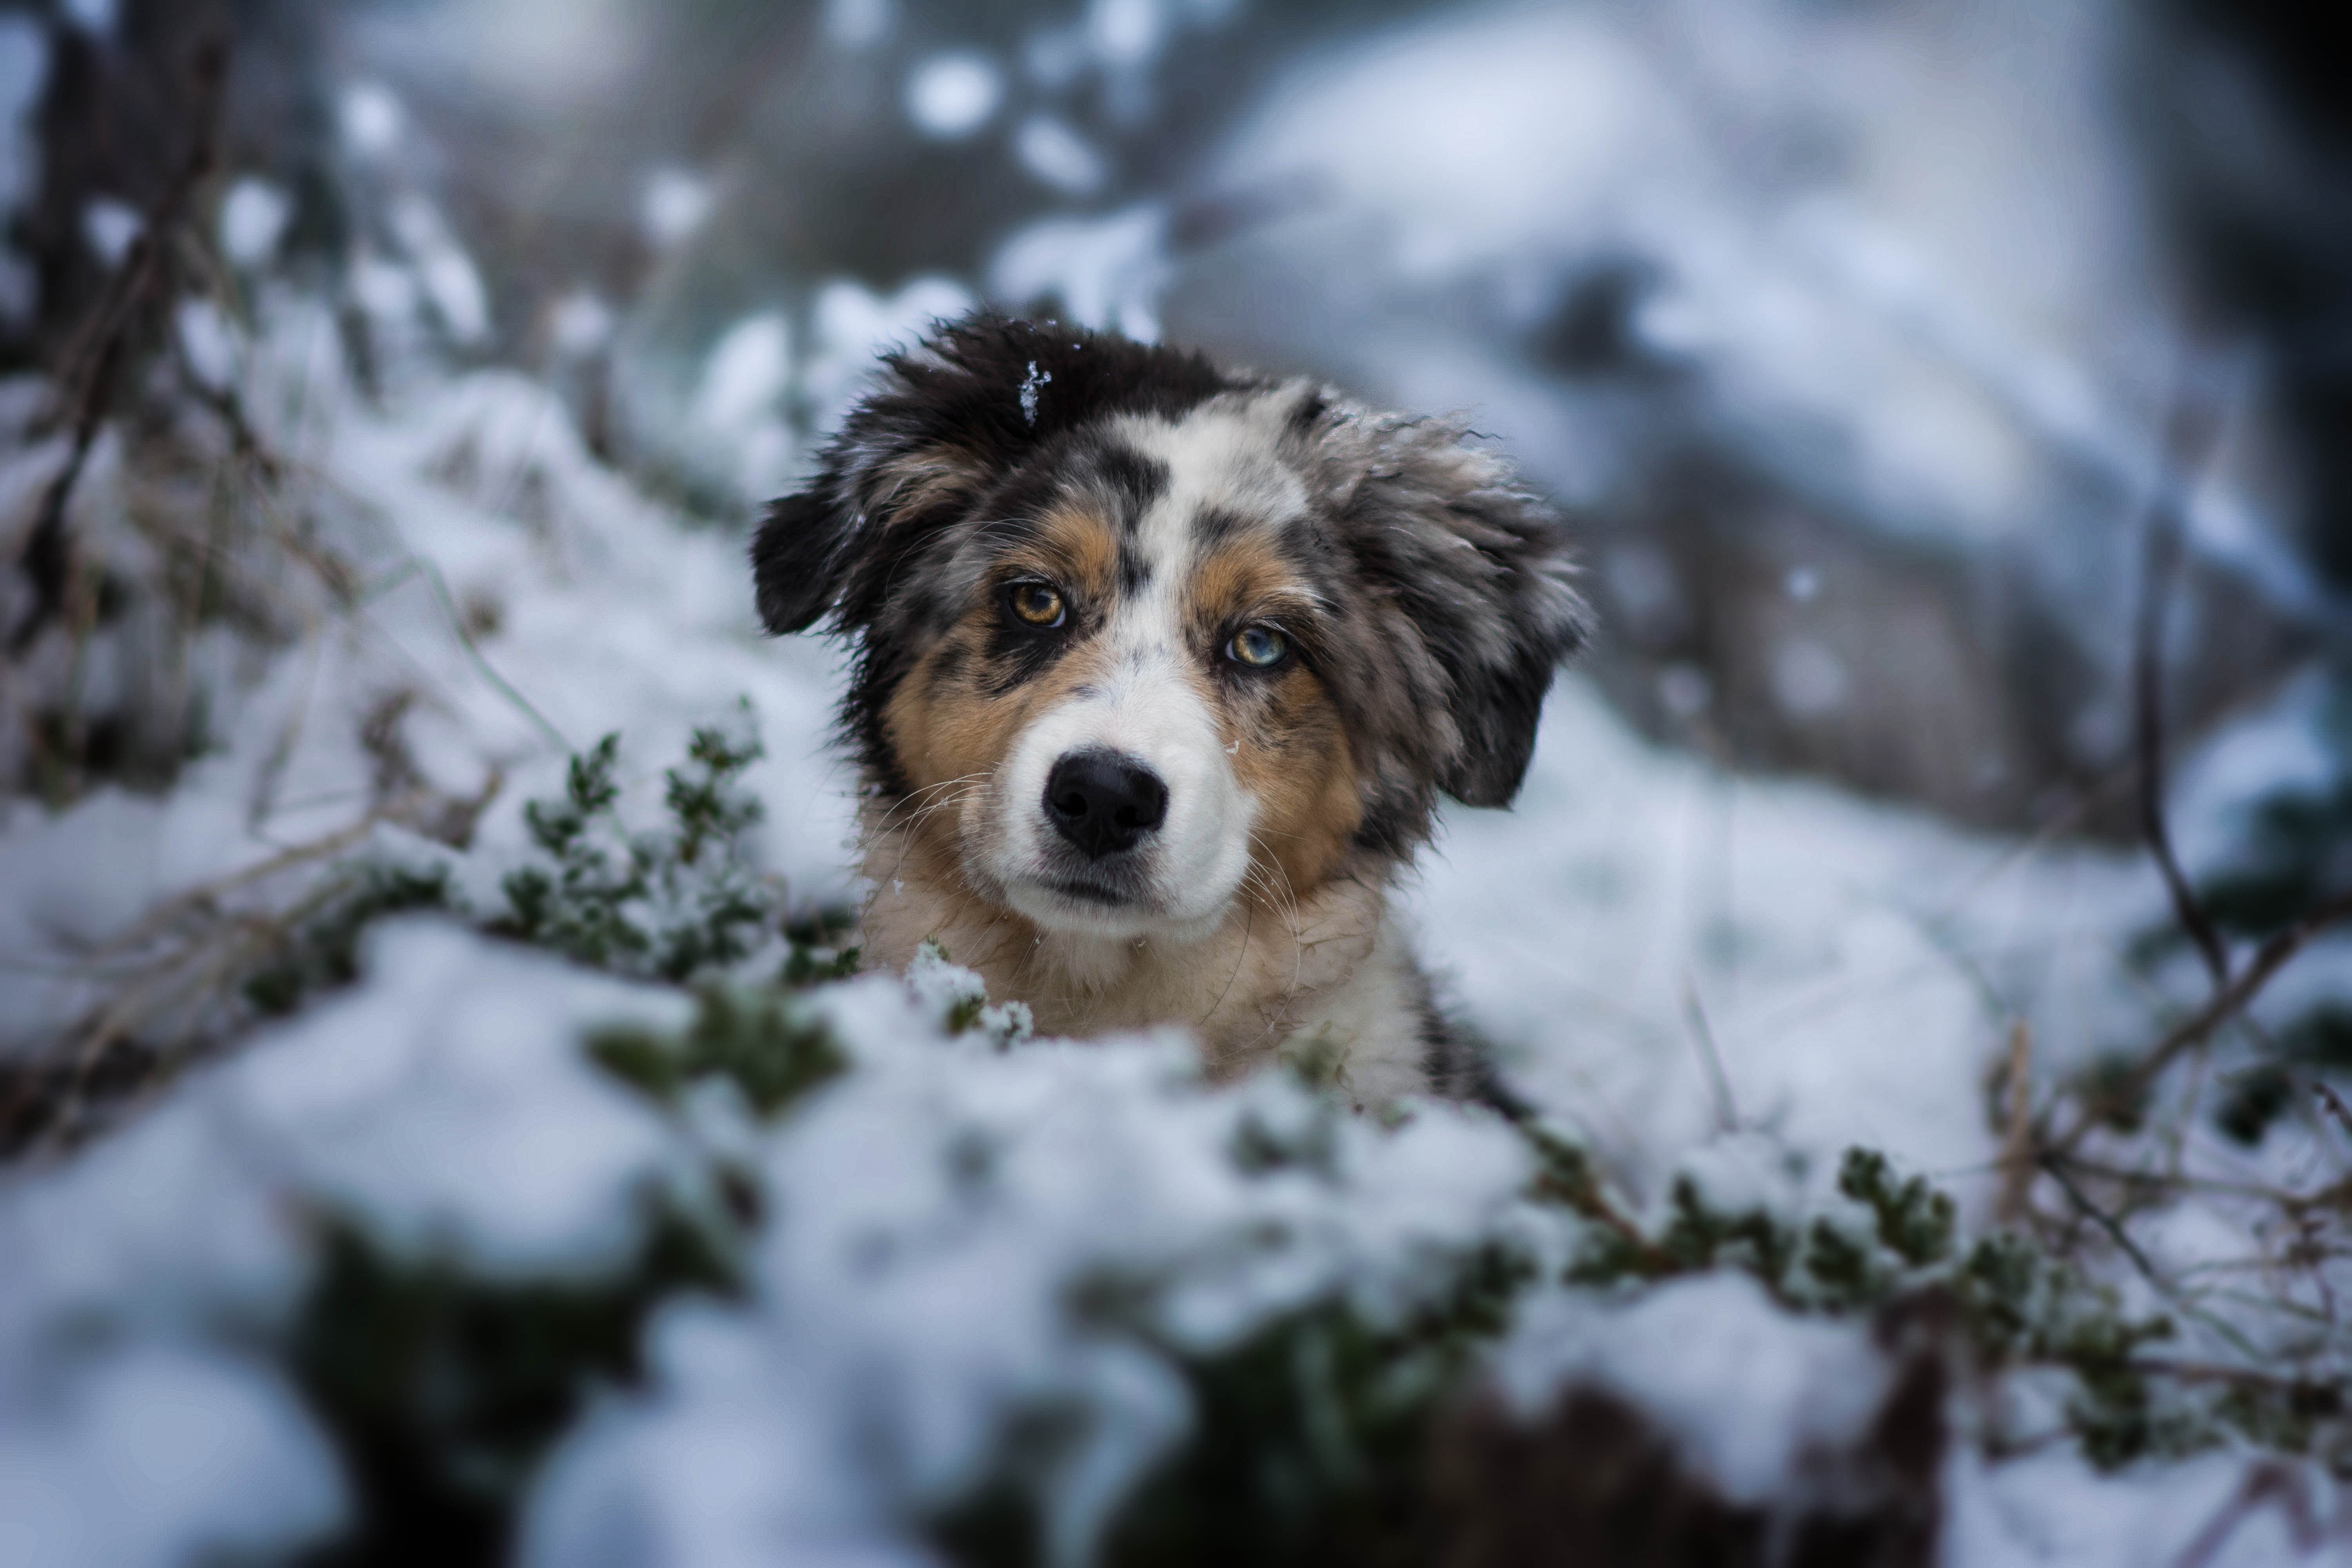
[{"x": 1103, "y": 801}]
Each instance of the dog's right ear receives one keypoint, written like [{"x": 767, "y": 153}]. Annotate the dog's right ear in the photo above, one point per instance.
[{"x": 798, "y": 561}]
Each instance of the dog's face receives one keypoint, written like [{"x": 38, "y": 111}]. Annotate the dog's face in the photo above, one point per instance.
[{"x": 1137, "y": 639}]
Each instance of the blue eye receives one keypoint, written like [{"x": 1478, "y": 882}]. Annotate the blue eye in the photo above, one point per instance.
[{"x": 1260, "y": 647}]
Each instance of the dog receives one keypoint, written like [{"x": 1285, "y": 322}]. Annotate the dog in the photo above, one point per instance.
[{"x": 1157, "y": 674}]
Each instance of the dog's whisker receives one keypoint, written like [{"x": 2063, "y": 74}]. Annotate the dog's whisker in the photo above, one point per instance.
[{"x": 923, "y": 811}]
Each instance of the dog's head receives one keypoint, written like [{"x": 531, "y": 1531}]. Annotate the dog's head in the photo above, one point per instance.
[{"x": 1133, "y": 634}]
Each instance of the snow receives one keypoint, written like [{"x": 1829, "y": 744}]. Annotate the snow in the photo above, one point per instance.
[
  {"x": 747, "y": 374},
  {"x": 162, "y": 1456},
  {"x": 110, "y": 227},
  {"x": 449, "y": 1103},
  {"x": 1059, "y": 156},
  {"x": 1747, "y": 1390},
  {"x": 208, "y": 342},
  {"x": 859, "y": 25},
  {"x": 447, "y": 276},
  {"x": 738, "y": 406},
  {"x": 579, "y": 324},
  {"x": 91, "y": 16},
  {"x": 1032, "y": 386},
  {"x": 1835, "y": 955},
  {"x": 2051, "y": 1509},
  {"x": 385, "y": 289},
  {"x": 446, "y": 1102},
  {"x": 372, "y": 119},
  {"x": 253, "y": 219},
  {"x": 1104, "y": 272},
  {"x": 674, "y": 204},
  {"x": 951, "y": 95},
  {"x": 852, "y": 326},
  {"x": 900, "y": 1316},
  {"x": 608, "y": 619},
  {"x": 1126, "y": 33}
]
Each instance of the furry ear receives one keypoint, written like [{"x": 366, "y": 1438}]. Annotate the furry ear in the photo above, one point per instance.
[
  {"x": 1481, "y": 571},
  {"x": 798, "y": 562},
  {"x": 1497, "y": 702}
]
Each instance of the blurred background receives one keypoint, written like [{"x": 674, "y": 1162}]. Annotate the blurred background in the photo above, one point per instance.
[{"x": 1848, "y": 331}]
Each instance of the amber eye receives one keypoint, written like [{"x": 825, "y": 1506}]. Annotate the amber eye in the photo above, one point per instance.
[
  {"x": 1036, "y": 604},
  {"x": 1260, "y": 647}
]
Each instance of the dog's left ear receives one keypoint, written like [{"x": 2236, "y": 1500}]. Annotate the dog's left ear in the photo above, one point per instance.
[{"x": 1480, "y": 570}]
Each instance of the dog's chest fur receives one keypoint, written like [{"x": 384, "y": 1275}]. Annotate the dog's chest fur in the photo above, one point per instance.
[{"x": 1327, "y": 984}]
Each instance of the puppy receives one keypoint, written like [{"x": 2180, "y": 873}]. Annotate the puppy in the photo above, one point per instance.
[{"x": 1159, "y": 673}]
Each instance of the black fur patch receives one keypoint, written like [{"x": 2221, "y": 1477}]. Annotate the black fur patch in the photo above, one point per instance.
[
  {"x": 1130, "y": 480},
  {"x": 1216, "y": 524},
  {"x": 792, "y": 566}
]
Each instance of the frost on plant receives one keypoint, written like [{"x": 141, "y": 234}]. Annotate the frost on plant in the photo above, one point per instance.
[{"x": 664, "y": 904}]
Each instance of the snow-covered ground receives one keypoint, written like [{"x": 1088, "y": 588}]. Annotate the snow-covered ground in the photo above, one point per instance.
[{"x": 1690, "y": 970}]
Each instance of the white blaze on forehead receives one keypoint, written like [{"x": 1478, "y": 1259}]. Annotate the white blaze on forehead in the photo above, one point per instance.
[
  {"x": 1220, "y": 458},
  {"x": 1223, "y": 455}
]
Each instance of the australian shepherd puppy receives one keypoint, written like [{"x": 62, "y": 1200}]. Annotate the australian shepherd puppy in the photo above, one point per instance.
[{"x": 1160, "y": 671}]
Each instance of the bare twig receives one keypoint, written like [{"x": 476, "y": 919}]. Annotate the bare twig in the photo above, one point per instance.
[
  {"x": 2189, "y": 441},
  {"x": 1718, "y": 1083},
  {"x": 2166, "y": 1181},
  {"x": 2214, "y": 1371},
  {"x": 94, "y": 362},
  {"x": 2225, "y": 1004},
  {"x": 2266, "y": 1480},
  {"x": 2104, "y": 1220},
  {"x": 2017, "y": 1165},
  {"x": 205, "y": 896},
  {"x": 2332, "y": 1103}
]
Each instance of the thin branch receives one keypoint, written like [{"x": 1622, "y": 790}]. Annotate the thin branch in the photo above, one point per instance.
[
  {"x": 1718, "y": 1083},
  {"x": 2017, "y": 1165},
  {"x": 2225, "y": 1004},
  {"x": 2105, "y": 1220},
  {"x": 2189, "y": 441},
  {"x": 2214, "y": 1371},
  {"x": 2333, "y": 1104},
  {"x": 93, "y": 365},
  {"x": 2266, "y": 1481}
]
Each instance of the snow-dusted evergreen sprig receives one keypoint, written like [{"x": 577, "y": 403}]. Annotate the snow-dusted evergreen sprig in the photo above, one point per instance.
[
  {"x": 664, "y": 905},
  {"x": 2015, "y": 1305}
]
